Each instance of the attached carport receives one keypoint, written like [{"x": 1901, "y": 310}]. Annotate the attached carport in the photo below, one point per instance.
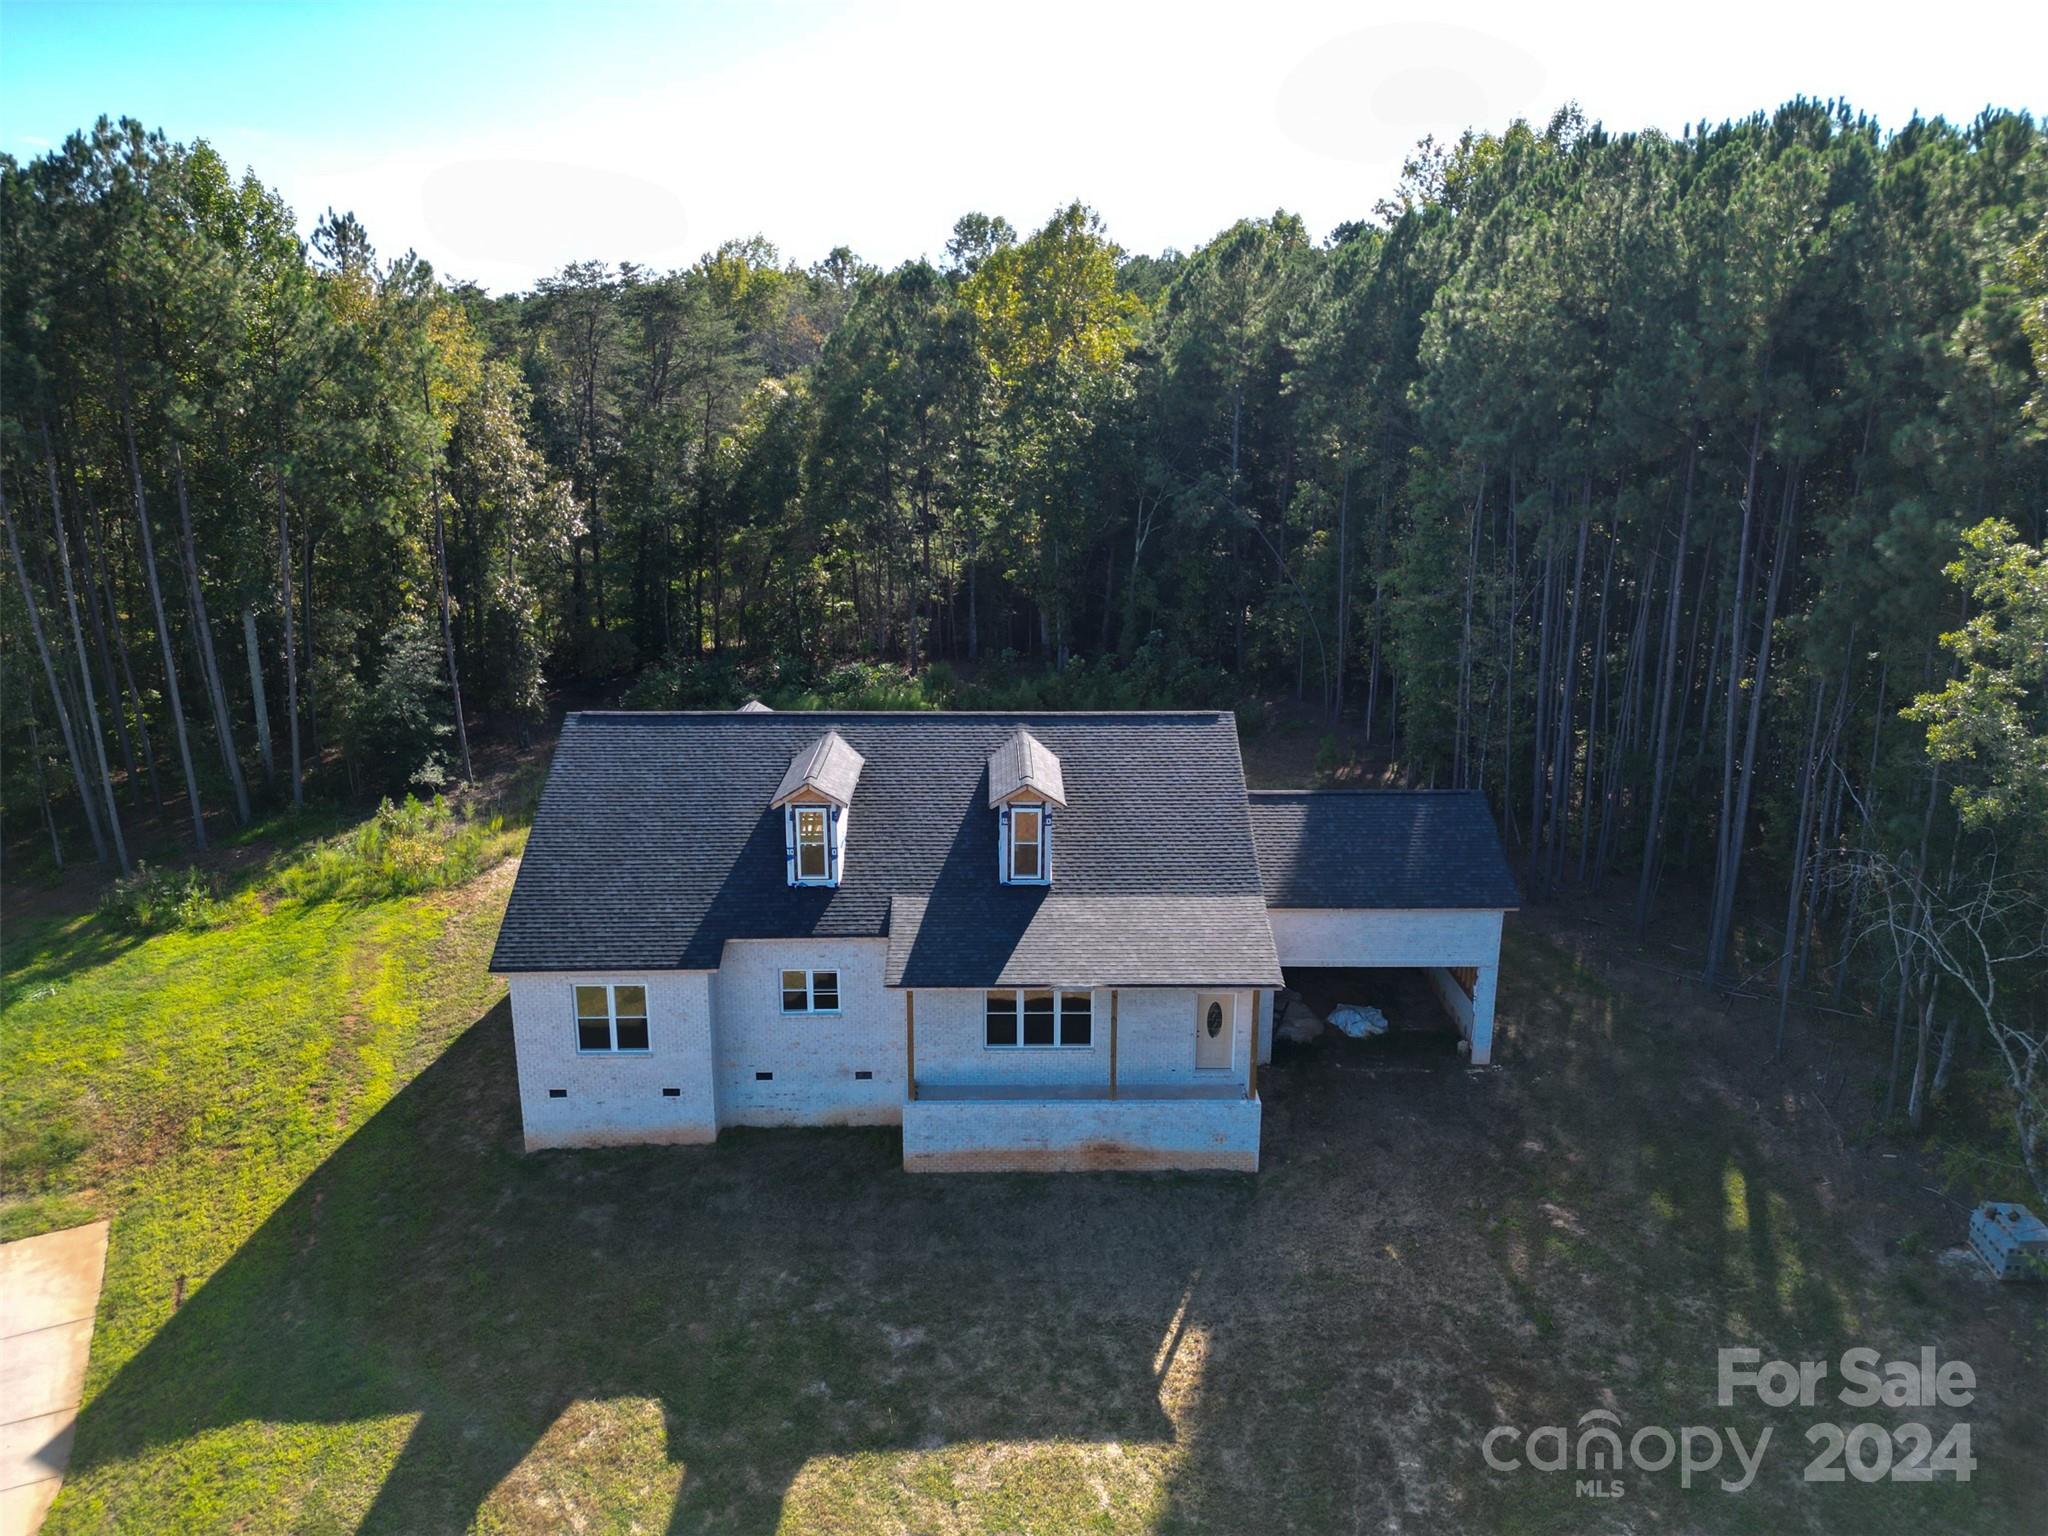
[{"x": 1389, "y": 879}]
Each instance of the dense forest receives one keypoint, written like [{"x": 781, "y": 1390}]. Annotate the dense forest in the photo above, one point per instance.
[{"x": 1685, "y": 494}]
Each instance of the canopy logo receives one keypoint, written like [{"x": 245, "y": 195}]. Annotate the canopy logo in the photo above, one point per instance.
[{"x": 1597, "y": 1453}]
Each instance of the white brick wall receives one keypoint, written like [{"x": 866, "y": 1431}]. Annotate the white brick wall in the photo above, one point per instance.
[
  {"x": 954, "y": 1136},
  {"x": 712, "y": 1034},
  {"x": 1155, "y": 1042},
  {"x": 609, "y": 1099},
  {"x": 813, "y": 1057},
  {"x": 1156, "y": 1037},
  {"x": 1319, "y": 936}
]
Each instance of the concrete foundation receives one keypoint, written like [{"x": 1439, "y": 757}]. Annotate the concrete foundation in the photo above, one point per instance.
[{"x": 1073, "y": 1136}]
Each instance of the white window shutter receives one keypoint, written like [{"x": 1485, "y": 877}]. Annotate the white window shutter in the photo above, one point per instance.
[
  {"x": 833, "y": 833},
  {"x": 1003, "y": 845},
  {"x": 1045, "y": 844},
  {"x": 789, "y": 844}
]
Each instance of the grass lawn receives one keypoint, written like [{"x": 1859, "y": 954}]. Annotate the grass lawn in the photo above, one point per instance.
[{"x": 339, "y": 1297}]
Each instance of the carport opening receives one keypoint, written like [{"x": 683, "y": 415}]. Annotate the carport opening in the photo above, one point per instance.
[{"x": 1418, "y": 1024}]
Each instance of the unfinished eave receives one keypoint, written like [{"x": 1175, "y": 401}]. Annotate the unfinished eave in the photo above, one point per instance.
[{"x": 1025, "y": 766}]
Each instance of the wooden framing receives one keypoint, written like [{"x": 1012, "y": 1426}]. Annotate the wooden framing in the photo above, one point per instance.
[
  {"x": 910, "y": 1044},
  {"x": 1112, "y": 1042},
  {"x": 1251, "y": 1081}
]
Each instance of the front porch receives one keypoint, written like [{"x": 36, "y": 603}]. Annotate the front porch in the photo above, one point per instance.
[{"x": 1071, "y": 1128}]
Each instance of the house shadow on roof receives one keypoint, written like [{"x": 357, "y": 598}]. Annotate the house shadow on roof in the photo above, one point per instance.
[{"x": 782, "y": 1296}]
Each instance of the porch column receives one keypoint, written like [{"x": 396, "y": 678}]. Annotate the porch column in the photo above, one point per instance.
[
  {"x": 1251, "y": 1076},
  {"x": 1482, "y": 1013},
  {"x": 1112, "y": 1042}
]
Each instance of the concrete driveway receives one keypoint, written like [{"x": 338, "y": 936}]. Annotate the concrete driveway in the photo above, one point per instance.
[{"x": 49, "y": 1286}]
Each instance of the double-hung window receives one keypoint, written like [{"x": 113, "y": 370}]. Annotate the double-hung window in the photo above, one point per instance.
[
  {"x": 1028, "y": 862},
  {"x": 813, "y": 843},
  {"x": 1039, "y": 1017},
  {"x": 611, "y": 1019},
  {"x": 810, "y": 991}
]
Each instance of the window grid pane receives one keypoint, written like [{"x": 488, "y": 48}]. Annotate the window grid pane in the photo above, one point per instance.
[
  {"x": 810, "y": 844},
  {"x": 1038, "y": 1018},
  {"x": 1077, "y": 1022},
  {"x": 632, "y": 1034},
  {"x": 593, "y": 1034},
  {"x": 1024, "y": 844},
  {"x": 1002, "y": 1018}
]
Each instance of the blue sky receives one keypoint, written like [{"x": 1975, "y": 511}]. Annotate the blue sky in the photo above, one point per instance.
[{"x": 501, "y": 140}]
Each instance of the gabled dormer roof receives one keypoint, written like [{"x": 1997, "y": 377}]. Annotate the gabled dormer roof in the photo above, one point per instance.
[
  {"x": 828, "y": 768},
  {"x": 1024, "y": 763}
]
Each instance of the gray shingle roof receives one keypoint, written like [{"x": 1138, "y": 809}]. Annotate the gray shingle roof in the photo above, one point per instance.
[
  {"x": 654, "y": 844},
  {"x": 1385, "y": 848},
  {"x": 1132, "y": 941}
]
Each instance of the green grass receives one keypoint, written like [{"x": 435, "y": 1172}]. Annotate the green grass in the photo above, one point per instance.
[{"x": 304, "y": 1121}]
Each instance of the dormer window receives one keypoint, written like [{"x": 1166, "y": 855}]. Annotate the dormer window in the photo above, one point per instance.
[
  {"x": 1027, "y": 844},
  {"x": 815, "y": 798},
  {"x": 1025, "y": 783},
  {"x": 812, "y": 831}
]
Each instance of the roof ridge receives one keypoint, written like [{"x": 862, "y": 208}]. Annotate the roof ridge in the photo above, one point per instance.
[
  {"x": 1345, "y": 789},
  {"x": 918, "y": 714}
]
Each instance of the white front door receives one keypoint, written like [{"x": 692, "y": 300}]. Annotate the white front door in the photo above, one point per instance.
[{"x": 1215, "y": 1031}]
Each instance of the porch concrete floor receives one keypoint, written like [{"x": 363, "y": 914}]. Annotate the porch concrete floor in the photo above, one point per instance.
[{"x": 1039, "y": 1093}]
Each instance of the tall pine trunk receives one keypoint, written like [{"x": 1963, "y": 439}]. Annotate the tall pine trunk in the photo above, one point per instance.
[
  {"x": 1598, "y": 714},
  {"x": 291, "y": 656},
  {"x": 1567, "y": 708},
  {"x": 1653, "y": 830},
  {"x": 91, "y": 716},
  {"x": 1724, "y": 912},
  {"x": 156, "y": 596},
  {"x": 100, "y": 570},
  {"x": 1545, "y": 623},
  {"x": 447, "y": 621},
  {"x": 1724, "y": 829},
  {"x": 209, "y": 664},
  {"x": 35, "y": 746},
  {"x": 100, "y": 645},
  {"x": 1343, "y": 619},
  {"x": 65, "y": 728},
  {"x": 1794, "y": 886}
]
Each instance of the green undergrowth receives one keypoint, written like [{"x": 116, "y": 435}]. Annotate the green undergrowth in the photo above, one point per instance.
[
  {"x": 1155, "y": 675},
  {"x": 405, "y": 848}
]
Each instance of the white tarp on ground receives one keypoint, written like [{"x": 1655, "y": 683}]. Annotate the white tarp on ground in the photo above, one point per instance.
[{"x": 1358, "y": 1020}]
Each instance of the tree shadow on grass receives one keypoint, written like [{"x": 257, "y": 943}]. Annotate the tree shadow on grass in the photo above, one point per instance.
[
  {"x": 40, "y": 952},
  {"x": 783, "y": 1296}
]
